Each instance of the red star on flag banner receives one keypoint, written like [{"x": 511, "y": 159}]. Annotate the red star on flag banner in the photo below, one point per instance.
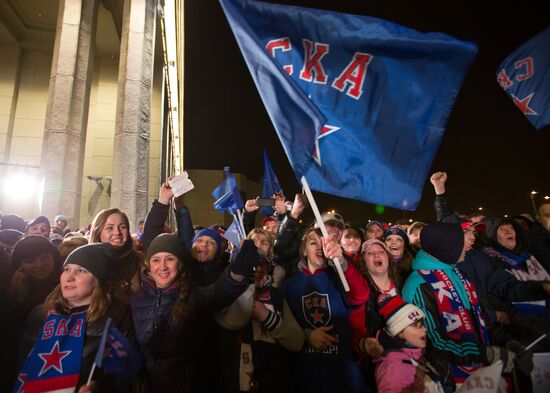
[
  {"x": 327, "y": 130},
  {"x": 53, "y": 359},
  {"x": 317, "y": 316},
  {"x": 523, "y": 104}
]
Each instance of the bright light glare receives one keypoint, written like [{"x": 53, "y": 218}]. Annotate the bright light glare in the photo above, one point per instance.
[{"x": 19, "y": 187}]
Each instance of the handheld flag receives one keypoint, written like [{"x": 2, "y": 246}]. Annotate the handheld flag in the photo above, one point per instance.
[
  {"x": 271, "y": 186},
  {"x": 359, "y": 104},
  {"x": 55, "y": 360},
  {"x": 227, "y": 195},
  {"x": 525, "y": 78},
  {"x": 116, "y": 355},
  {"x": 490, "y": 376},
  {"x": 233, "y": 233}
]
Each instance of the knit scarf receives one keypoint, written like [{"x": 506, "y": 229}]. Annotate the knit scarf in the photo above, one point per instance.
[
  {"x": 455, "y": 296},
  {"x": 511, "y": 259}
]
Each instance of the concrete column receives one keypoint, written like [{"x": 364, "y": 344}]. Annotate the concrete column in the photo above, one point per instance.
[
  {"x": 133, "y": 115},
  {"x": 67, "y": 111}
]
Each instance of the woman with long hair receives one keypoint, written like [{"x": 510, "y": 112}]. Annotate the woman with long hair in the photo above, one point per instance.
[
  {"x": 112, "y": 226},
  {"x": 326, "y": 363},
  {"x": 167, "y": 309},
  {"x": 65, "y": 331}
]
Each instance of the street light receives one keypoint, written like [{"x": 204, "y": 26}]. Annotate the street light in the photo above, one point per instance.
[{"x": 480, "y": 208}]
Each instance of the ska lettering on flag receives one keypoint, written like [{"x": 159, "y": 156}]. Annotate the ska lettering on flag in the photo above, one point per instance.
[
  {"x": 525, "y": 78},
  {"x": 360, "y": 104}
]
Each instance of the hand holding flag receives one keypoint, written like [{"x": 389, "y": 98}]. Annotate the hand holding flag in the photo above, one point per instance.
[{"x": 116, "y": 355}]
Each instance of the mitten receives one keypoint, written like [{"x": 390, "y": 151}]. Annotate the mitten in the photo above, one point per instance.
[{"x": 246, "y": 259}]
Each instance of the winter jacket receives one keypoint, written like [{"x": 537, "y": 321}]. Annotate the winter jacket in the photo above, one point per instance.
[
  {"x": 289, "y": 239},
  {"x": 421, "y": 294},
  {"x": 265, "y": 346},
  {"x": 396, "y": 372},
  {"x": 170, "y": 344},
  {"x": 539, "y": 244}
]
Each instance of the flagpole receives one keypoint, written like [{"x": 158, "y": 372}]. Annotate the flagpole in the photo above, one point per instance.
[
  {"x": 91, "y": 374},
  {"x": 323, "y": 230},
  {"x": 241, "y": 222},
  {"x": 535, "y": 342}
]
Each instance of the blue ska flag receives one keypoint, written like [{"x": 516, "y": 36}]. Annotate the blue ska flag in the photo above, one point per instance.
[
  {"x": 55, "y": 360},
  {"x": 271, "y": 186},
  {"x": 524, "y": 76},
  {"x": 227, "y": 195},
  {"x": 116, "y": 355},
  {"x": 233, "y": 233},
  {"x": 360, "y": 104}
]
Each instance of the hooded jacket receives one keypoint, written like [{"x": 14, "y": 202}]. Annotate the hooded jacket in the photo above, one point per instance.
[
  {"x": 395, "y": 370},
  {"x": 442, "y": 247}
]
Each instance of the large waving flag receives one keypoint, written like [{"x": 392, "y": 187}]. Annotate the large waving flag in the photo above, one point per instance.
[
  {"x": 271, "y": 186},
  {"x": 360, "y": 104},
  {"x": 524, "y": 75},
  {"x": 227, "y": 195},
  {"x": 54, "y": 363}
]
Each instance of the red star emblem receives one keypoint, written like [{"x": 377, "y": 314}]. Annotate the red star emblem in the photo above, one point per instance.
[
  {"x": 326, "y": 130},
  {"x": 53, "y": 359},
  {"x": 523, "y": 104},
  {"x": 317, "y": 316}
]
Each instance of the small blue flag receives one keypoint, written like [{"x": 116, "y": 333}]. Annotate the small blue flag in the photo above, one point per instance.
[
  {"x": 55, "y": 360},
  {"x": 227, "y": 195},
  {"x": 233, "y": 233},
  {"x": 271, "y": 186},
  {"x": 524, "y": 75},
  {"x": 360, "y": 104},
  {"x": 116, "y": 354}
]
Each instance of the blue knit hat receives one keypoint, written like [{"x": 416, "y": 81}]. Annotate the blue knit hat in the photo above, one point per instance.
[
  {"x": 210, "y": 233},
  {"x": 395, "y": 230}
]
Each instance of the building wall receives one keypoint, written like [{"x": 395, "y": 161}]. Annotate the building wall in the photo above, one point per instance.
[
  {"x": 99, "y": 139},
  {"x": 23, "y": 101},
  {"x": 28, "y": 98}
]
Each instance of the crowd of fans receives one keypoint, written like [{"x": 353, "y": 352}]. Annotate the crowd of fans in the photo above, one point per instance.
[{"x": 428, "y": 303}]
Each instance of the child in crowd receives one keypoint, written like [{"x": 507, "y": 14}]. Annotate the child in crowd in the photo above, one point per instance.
[{"x": 402, "y": 366}]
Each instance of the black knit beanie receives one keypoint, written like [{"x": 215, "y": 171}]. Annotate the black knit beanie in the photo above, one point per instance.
[
  {"x": 443, "y": 241},
  {"x": 166, "y": 242},
  {"x": 29, "y": 247},
  {"x": 97, "y": 258}
]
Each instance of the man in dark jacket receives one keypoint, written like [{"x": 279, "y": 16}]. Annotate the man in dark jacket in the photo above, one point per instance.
[{"x": 539, "y": 241}]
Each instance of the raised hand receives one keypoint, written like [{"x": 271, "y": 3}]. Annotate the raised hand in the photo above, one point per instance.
[{"x": 438, "y": 180}]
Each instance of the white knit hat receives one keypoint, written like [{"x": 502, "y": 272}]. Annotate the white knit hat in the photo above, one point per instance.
[{"x": 398, "y": 314}]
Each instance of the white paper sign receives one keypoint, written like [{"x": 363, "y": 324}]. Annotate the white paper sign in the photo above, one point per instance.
[
  {"x": 484, "y": 380},
  {"x": 180, "y": 184},
  {"x": 540, "y": 376}
]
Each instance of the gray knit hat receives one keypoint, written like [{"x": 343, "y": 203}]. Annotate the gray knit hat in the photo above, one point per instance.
[{"x": 166, "y": 242}]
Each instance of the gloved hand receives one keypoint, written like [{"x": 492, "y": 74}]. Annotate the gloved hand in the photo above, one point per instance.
[
  {"x": 246, "y": 259},
  {"x": 524, "y": 359},
  {"x": 494, "y": 354}
]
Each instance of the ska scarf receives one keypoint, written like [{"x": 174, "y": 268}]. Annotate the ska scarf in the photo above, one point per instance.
[
  {"x": 55, "y": 360},
  {"x": 454, "y": 315}
]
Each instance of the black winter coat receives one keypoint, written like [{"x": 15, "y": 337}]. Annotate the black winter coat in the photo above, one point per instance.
[{"x": 172, "y": 345}]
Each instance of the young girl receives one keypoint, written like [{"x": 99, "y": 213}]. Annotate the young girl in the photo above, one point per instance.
[{"x": 402, "y": 366}]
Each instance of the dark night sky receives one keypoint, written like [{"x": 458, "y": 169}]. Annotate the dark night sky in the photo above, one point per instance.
[{"x": 493, "y": 156}]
